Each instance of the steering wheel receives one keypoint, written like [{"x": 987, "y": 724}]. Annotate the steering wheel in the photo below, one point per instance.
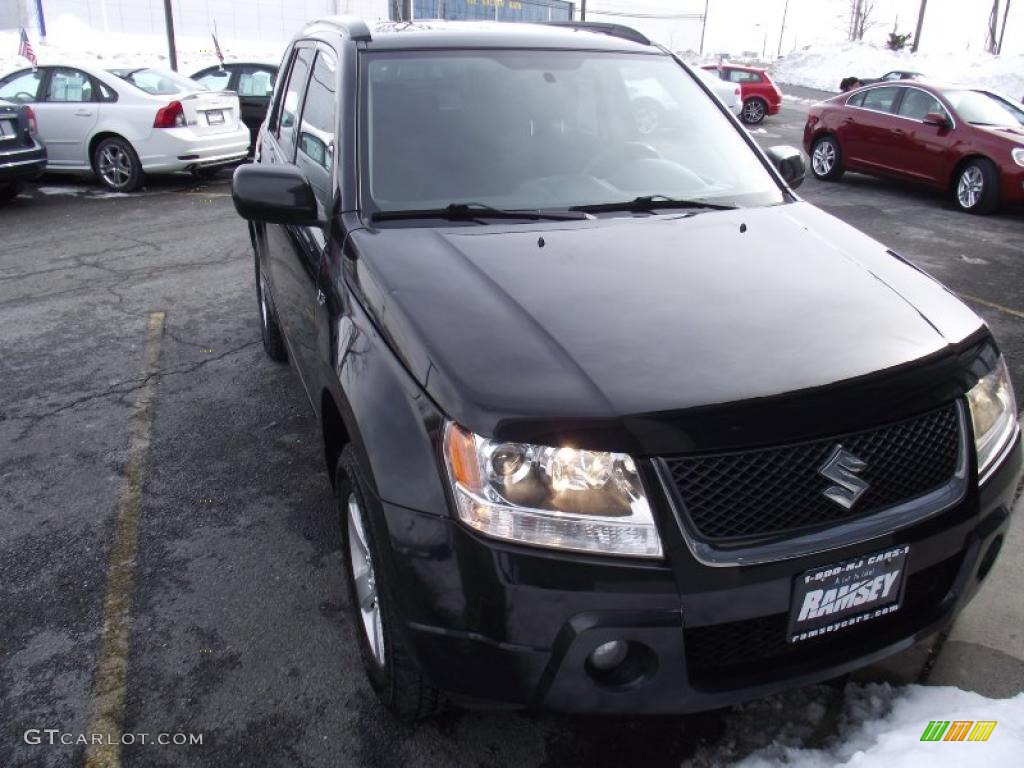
[
  {"x": 27, "y": 96},
  {"x": 629, "y": 150}
]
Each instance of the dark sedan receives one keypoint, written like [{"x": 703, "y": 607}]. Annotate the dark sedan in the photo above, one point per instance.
[
  {"x": 22, "y": 157},
  {"x": 966, "y": 140},
  {"x": 252, "y": 81}
]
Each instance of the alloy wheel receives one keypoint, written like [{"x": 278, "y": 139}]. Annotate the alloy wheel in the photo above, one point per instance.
[
  {"x": 824, "y": 158},
  {"x": 970, "y": 187},
  {"x": 115, "y": 166},
  {"x": 753, "y": 111},
  {"x": 365, "y": 580}
]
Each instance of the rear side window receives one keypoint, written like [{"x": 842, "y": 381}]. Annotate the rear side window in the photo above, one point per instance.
[
  {"x": 917, "y": 103},
  {"x": 21, "y": 87},
  {"x": 742, "y": 76},
  {"x": 857, "y": 100},
  {"x": 214, "y": 79},
  {"x": 69, "y": 85},
  {"x": 256, "y": 82},
  {"x": 291, "y": 97},
  {"x": 880, "y": 99}
]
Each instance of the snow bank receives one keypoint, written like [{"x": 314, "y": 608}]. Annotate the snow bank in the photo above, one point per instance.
[
  {"x": 871, "y": 725},
  {"x": 823, "y": 68},
  {"x": 71, "y": 40}
]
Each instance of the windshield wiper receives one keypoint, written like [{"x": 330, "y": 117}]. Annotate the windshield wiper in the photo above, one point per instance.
[
  {"x": 649, "y": 203},
  {"x": 462, "y": 211}
]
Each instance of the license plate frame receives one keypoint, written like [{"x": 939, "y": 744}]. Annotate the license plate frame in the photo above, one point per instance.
[
  {"x": 215, "y": 117},
  {"x": 835, "y": 597}
]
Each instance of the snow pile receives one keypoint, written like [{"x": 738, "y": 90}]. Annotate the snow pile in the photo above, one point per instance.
[
  {"x": 70, "y": 40},
  {"x": 867, "y": 725},
  {"x": 823, "y": 67}
]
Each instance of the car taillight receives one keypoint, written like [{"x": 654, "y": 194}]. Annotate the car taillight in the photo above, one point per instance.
[
  {"x": 33, "y": 126},
  {"x": 171, "y": 116}
]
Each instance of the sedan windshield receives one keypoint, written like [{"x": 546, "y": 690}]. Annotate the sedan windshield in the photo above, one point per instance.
[
  {"x": 159, "y": 82},
  {"x": 535, "y": 130},
  {"x": 981, "y": 108}
]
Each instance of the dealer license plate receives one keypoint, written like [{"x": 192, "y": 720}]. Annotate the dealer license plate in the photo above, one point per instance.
[
  {"x": 833, "y": 598},
  {"x": 215, "y": 117},
  {"x": 7, "y": 129}
]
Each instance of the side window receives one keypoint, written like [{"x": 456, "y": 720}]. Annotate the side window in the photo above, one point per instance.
[
  {"x": 21, "y": 87},
  {"x": 857, "y": 100},
  {"x": 106, "y": 92},
  {"x": 740, "y": 76},
  {"x": 69, "y": 85},
  {"x": 317, "y": 129},
  {"x": 256, "y": 82},
  {"x": 916, "y": 104},
  {"x": 880, "y": 99},
  {"x": 290, "y": 101},
  {"x": 214, "y": 79}
]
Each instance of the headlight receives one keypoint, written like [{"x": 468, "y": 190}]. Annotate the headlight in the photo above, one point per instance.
[
  {"x": 564, "y": 498},
  {"x": 993, "y": 414},
  {"x": 1018, "y": 155}
]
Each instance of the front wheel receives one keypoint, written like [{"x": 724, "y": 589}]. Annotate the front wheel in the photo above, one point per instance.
[
  {"x": 117, "y": 165},
  {"x": 388, "y": 663},
  {"x": 977, "y": 187},
  {"x": 754, "y": 110},
  {"x": 270, "y": 329},
  {"x": 826, "y": 159}
]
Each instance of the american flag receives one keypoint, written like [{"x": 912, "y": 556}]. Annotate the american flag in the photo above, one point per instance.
[
  {"x": 25, "y": 49},
  {"x": 216, "y": 47}
]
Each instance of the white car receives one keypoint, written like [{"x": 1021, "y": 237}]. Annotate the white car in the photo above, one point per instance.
[
  {"x": 122, "y": 123},
  {"x": 728, "y": 93}
]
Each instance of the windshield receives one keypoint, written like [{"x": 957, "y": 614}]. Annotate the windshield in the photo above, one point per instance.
[
  {"x": 536, "y": 130},
  {"x": 981, "y": 108},
  {"x": 159, "y": 82}
]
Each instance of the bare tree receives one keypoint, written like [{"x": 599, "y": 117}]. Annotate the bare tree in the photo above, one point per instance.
[{"x": 861, "y": 12}]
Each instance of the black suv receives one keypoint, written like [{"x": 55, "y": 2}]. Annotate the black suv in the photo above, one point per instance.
[{"x": 615, "y": 423}]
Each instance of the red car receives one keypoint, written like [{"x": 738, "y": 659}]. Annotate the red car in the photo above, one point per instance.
[
  {"x": 760, "y": 95},
  {"x": 966, "y": 140}
]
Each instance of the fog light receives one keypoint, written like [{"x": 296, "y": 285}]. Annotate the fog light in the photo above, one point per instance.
[{"x": 609, "y": 655}]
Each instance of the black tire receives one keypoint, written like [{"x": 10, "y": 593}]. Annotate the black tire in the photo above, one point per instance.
[
  {"x": 270, "y": 329},
  {"x": 10, "y": 191},
  {"x": 396, "y": 679},
  {"x": 976, "y": 187},
  {"x": 754, "y": 110},
  {"x": 827, "y": 159},
  {"x": 117, "y": 165}
]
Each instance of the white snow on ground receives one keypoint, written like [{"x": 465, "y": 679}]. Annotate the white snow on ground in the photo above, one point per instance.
[
  {"x": 867, "y": 725},
  {"x": 70, "y": 40},
  {"x": 823, "y": 68}
]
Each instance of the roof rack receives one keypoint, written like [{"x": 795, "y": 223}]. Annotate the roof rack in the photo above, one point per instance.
[
  {"x": 605, "y": 28},
  {"x": 352, "y": 26}
]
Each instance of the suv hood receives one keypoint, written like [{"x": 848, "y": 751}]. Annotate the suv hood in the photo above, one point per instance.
[{"x": 643, "y": 319}]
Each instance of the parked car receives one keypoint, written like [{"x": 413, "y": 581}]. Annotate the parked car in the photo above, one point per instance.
[
  {"x": 850, "y": 83},
  {"x": 120, "y": 124},
  {"x": 252, "y": 81},
  {"x": 966, "y": 140},
  {"x": 760, "y": 95},
  {"x": 22, "y": 157},
  {"x": 729, "y": 92},
  {"x": 614, "y": 423}
]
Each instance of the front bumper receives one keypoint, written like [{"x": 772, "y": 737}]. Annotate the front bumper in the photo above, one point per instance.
[
  {"x": 22, "y": 164},
  {"x": 504, "y": 626}
]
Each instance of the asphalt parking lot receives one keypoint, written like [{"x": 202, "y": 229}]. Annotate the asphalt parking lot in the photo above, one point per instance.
[{"x": 138, "y": 406}]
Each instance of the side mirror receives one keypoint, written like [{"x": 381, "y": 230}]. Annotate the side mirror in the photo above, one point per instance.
[
  {"x": 936, "y": 118},
  {"x": 789, "y": 162},
  {"x": 276, "y": 194}
]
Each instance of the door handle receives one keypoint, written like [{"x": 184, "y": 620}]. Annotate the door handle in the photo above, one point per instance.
[{"x": 84, "y": 113}]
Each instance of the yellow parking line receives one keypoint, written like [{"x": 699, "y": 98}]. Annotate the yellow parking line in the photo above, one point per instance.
[
  {"x": 110, "y": 677},
  {"x": 993, "y": 305}
]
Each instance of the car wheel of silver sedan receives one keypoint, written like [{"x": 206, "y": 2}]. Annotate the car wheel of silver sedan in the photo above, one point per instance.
[{"x": 118, "y": 167}]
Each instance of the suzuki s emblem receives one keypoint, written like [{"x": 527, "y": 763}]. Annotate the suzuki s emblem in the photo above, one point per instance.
[{"x": 843, "y": 469}]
